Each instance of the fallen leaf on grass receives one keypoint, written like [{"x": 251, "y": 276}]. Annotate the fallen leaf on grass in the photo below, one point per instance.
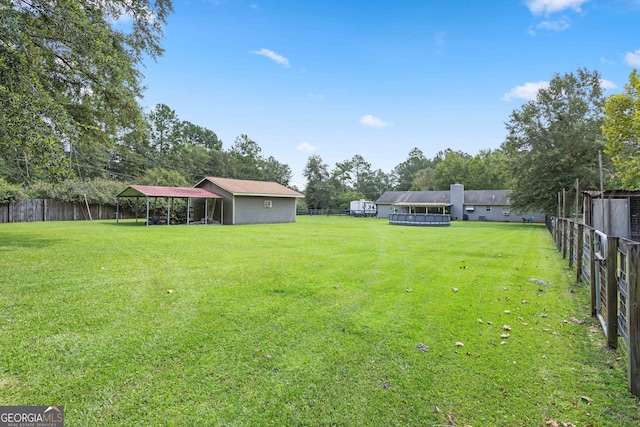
[
  {"x": 409, "y": 289},
  {"x": 507, "y": 312},
  {"x": 539, "y": 282},
  {"x": 458, "y": 344},
  {"x": 578, "y": 321},
  {"x": 506, "y": 327},
  {"x": 505, "y": 336},
  {"x": 587, "y": 399},
  {"x": 437, "y": 410},
  {"x": 423, "y": 347},
  {"x": 454, "y": 289},
  {"x": 551, "y": 423},
  {"x": 170, "y": 291}
]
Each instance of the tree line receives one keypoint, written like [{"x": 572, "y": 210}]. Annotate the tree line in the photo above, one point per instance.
[{"x": 71, "y": 123}]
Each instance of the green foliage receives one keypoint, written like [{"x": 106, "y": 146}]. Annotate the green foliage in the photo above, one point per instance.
[
  {"x": 452, "y": 169},
  {"x": 250, "y": 338},
  {"x": 343, "y": 201},
  {"x": 163, "y": 177},
  {"x": 301, "y": 206},
  {"x": 488, "y": 170},
  {"x": 621, "y": 129},
  {"x": 67, "y": 76},
  {"x": 554, "y": 140},
  {"x": 10, "y": 192},
  {"x": 318, "y": 192},
  {"x": 406, "y": 171},
  {"x": 96, "y": 191}
]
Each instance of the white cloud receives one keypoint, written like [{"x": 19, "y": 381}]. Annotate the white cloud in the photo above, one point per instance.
[
  {"x": 555, "y": 25},
  {"x": 633, "y": 58},
  {"x": 607, "y": 84},
  {"x": 547, "y": 7},
  {"x": 374, "y": 122},
  {"x": 273, "y": 56},
  {"x": 306, "y": 147},
  {"x": 526, "y": 91}
]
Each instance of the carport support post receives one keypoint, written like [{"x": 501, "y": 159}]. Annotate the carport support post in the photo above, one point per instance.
[
  {"x": 206, "y": 211},
  {"x": 147, "y": 210},
  {"x": 117, "y": 208},
  {"x": 188, "y": 208},
  {"x": 168, "y": 210}
]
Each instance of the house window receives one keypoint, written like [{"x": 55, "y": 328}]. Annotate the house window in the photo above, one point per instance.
[
  {"x": 470, "y": 208},
  {"x": 268, "y": 204}
]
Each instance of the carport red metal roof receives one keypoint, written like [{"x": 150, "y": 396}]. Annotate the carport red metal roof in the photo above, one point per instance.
[{"x": 176, "y": 192}]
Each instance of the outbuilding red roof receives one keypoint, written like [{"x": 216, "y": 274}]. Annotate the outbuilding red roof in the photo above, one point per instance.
[{"x": 177, "y": 192}]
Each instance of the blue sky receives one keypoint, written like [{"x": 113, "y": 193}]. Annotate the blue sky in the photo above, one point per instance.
[{"x": 377, "y": 78}]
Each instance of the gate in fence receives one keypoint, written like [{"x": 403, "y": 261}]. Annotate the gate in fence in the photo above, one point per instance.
[{"x": 611, "y": 266}]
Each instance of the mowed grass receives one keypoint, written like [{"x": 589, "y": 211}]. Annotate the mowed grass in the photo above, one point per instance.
[{"x": 321, "y": 322}]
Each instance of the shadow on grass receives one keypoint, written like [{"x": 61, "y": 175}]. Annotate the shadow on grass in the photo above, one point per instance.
[{"x": 10, "y": 242}]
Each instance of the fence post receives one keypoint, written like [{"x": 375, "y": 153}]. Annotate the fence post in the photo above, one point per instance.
[
  {"x": 592, "y": 272},
  {"x": 563, "y": 246},
  {"x": 633, "y": 318},
  {"x": 571, "y": 242},
  {"x": 612, "y": 292},
  {"x": 579, "y": 252}
]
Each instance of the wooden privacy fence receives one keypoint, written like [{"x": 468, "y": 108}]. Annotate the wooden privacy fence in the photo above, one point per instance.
[
  {"x": 33, "y": 210},
  {"x": 611, "y": 265}
]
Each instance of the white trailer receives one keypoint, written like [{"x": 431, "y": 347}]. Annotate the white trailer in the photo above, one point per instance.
[{"x": 362, "y": 208}]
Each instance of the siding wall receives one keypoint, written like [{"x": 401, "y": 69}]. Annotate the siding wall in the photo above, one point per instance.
[
  {"x": 496, "y": 213},
  {"x": 251, "y": 210},
  {"x": 491, "y": 213},
  {"x": 384, "y": 211}
]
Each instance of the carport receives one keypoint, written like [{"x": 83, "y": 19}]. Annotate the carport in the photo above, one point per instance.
[{"x": 170, "y": 193}]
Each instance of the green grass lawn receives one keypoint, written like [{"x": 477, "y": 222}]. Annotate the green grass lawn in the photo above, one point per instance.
[{"x": 328, "y": 321}]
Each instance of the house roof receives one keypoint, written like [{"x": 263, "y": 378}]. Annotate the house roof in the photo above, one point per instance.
[
  {"x": 158, "y": 191},
  {"x": 412, "y": 198},
  {"x": 487, "y": 197},
  {"x": 245, "y": 187}
]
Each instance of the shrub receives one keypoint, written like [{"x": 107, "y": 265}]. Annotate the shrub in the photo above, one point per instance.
[{"x": 10, "y": 192}]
